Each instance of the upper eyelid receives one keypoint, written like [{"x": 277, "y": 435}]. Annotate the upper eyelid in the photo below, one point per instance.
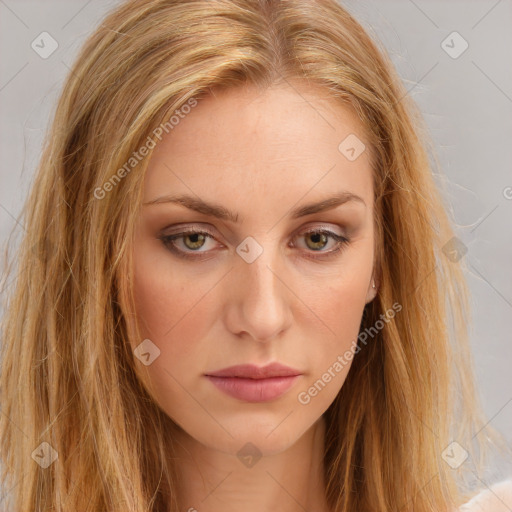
[{"x": 200, "y": 229}]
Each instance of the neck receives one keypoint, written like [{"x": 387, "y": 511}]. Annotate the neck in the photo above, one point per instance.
[{"x": 290, "y": 481}]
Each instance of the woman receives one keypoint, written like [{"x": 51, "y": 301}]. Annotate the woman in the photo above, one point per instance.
[{"x": 232, "y": 289}]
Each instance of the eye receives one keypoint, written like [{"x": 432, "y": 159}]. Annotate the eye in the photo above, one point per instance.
[
  {"x": 188, "y": 241},
  {"x": 317, "y": 239},
  {"x": 185, "y": 243}
]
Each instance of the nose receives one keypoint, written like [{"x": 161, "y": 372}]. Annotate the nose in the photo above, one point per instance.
[{"x": 259, "y": 297}]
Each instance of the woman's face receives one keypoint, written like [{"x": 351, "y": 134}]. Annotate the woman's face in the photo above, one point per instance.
[{"x": 262, "y": 278}]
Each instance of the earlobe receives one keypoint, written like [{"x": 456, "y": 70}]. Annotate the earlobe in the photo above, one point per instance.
[{"x": 372, "y": 291}]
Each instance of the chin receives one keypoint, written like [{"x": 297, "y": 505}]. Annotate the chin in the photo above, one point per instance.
[{"x": 262, "y": 435}]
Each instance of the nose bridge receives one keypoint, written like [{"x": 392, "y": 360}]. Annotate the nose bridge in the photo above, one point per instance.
[
  {"x": 257, "y": 271},
  {"x": 258, "y": 290}
]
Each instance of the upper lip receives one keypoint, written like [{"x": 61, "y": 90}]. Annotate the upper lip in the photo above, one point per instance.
[{"x": 251, "y": 371}]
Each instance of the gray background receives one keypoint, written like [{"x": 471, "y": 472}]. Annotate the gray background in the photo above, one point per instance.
[{"x": 466, "y": 101}]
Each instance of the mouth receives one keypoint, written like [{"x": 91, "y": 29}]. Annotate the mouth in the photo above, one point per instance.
[{"x": 251, "y": 383}]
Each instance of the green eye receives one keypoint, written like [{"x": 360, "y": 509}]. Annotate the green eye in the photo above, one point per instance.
[
  {"x": 186, "y": 243},
  {"x": 190, "y": 241},
  {"x": 318, "y": 239}
]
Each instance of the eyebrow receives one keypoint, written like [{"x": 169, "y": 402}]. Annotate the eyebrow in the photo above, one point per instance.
[{"x": 218, "y": 211}]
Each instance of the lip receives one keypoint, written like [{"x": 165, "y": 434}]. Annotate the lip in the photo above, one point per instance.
[
  {"x": 251, "y": 383},
  {"x": 251, "y": 371}
]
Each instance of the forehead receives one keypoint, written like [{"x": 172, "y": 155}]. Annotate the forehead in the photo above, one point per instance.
[{"x": 276, "y": 144}]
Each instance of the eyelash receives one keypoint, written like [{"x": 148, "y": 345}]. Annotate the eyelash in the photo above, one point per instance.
[{"x": 168, "y": 242}]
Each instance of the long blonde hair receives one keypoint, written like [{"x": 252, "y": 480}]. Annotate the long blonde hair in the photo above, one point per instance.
[{"x": 68, "y": 375}]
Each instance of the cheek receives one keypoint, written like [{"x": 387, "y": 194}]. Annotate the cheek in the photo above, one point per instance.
[
  {"x": 340, "y": 310},
  {"x": 343, "y": 306},
  {"x": 338, "y": 304},
  {"x": 173, "y": 310},
  {"x": 173, "y": 314},
  {"x": 339, "y": 300}
]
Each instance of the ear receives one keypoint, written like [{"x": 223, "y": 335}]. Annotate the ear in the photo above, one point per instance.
[{"x": 371, "y": 293}]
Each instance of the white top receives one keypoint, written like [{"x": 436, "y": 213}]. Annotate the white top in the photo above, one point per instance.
[{"x": 498, "y": 498}]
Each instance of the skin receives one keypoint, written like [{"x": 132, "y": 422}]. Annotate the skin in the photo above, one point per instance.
[{"x": 259, "y": 153}]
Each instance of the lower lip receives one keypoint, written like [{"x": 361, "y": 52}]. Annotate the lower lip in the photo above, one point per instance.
[{"x": 254, "y": 390}]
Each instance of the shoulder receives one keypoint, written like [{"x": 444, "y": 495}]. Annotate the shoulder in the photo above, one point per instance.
[{"x": 497, "y": 498}]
